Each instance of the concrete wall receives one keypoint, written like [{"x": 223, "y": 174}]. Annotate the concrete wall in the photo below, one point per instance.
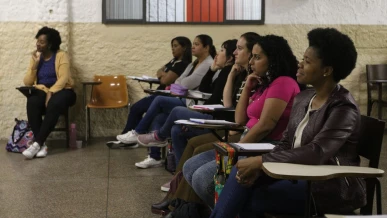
[{"x": 95, "y": 48}]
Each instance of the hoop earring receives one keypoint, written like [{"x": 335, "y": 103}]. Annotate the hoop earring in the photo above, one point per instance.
[{"x": 268, "y": 73}]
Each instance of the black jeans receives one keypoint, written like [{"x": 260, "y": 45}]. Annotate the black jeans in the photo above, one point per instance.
[{"x": 36, "y": 108}]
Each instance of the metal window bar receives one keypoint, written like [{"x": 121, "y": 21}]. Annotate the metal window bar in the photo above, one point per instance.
[{"x": 234, "y": 11}]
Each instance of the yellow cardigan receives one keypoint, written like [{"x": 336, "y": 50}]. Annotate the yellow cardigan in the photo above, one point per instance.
[{"x": 62, "y": 69}]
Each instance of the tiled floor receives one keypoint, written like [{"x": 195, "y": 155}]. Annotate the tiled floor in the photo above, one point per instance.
[{"x": 89, "y": 182}]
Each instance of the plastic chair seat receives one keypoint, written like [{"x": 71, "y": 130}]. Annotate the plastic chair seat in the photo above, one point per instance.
[
  {"x": 376, "y": 77},
  {"x": 107, "y": 92},
  {"x": 103, "y": 106}
]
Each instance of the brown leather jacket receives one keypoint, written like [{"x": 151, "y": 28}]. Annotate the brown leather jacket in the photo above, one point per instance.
[{"x": 329, "y": 138}]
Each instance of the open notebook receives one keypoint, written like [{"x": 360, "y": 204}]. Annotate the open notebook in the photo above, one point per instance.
[
  {"x": 213, "y": 122},
  {"x": 208, "y": 107},
  {"x": 263, "y": 147},
  {"x": 216, "y": 122}
]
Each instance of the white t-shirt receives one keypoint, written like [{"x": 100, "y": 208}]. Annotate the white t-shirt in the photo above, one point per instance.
[{"x": 301, "y": 126}]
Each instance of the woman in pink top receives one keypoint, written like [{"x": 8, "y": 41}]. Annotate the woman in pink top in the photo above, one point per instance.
[{"x": 264, "y": 107}]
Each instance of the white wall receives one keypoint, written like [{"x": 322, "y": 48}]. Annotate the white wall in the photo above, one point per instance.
[{"x": 365, "y": 12}]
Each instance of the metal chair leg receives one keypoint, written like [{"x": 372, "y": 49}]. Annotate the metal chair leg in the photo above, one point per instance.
[
  {"x": 67, "y": 126},
  {"x": 378, "y": 197},
  {"x": 369, "y": 108},
  {"x": 88, "y": 122},
  {"x": 308, "y": 198}
]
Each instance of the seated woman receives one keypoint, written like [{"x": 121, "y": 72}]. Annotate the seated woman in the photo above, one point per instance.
[
  {"x": 167, "y": 74},
  {"x": 204, "y": 51},
  {"x": 160, "y": 108},
  {"x": 184, "y": 140},
  {"x": 222, "y": 65},
  {"x": 49, "y": 73},
  {"x": 265, "y": 113},
  {"x": 323, "y": 129}
]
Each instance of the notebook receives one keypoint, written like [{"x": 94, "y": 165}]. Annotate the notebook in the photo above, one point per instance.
[
  {"x": 208, "y": 107},
  {"x": 26, "y": 90},
  {"x": 264, "y": 147},
  {"x": 213, "y": 122}
]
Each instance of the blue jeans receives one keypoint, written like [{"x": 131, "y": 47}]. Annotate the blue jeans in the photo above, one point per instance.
[
  {"x": 266, "y": 195},
  {"x": 136, "y": 112},
  {"x": 156, "y": 116},
  {"x": 179, "y": 135},
  {"x": 155, "y": 152},
  {"x": 199, "y": 172},
  {"x": 161, "y": 104}
]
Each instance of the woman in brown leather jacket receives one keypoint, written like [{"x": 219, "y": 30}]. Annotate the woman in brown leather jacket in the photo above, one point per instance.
[{"x": 323, "y": 129}]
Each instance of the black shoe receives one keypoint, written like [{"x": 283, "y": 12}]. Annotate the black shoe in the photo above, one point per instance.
[
  {"x": 170, "y": 215},
  {"x": 120, "y": 145},
  {"x": 161, "y": 207}
]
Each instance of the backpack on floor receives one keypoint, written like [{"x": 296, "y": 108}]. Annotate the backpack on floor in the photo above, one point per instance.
[
  {"x": 21, "y": 135},
  {"x": 185, "y": 209}
]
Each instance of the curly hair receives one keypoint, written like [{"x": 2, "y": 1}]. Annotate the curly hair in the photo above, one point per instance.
[
  {"x": 335, "y": 49},
  {"x": 281, "y": 60},
  {"x": 53, "y": 37},
  {"x": 185, "y": 43},
  {"x": 230, "y": 46}
]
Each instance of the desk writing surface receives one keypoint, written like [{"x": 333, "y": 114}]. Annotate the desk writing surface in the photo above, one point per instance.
[
  {"x": 91, "y": 82},
  {"x": 145, "y": 79},
  {"x": 342, "y": 216},
  {"x": 377, "y": 81},
  {"x": 317, "y": 172},
  {"x": 156, "y": 91}
]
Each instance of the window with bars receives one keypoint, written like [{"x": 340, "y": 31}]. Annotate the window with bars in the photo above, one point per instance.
[{"x": 184, "y": 11}]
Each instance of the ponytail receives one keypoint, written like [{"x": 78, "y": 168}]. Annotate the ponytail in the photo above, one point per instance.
[
  {"x": 206, "y": 40},
  {"x": 212, "y": 51}
]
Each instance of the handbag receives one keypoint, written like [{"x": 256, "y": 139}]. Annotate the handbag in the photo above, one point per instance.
[
  {"x": 20, "y": 137},
  {"x": 170, "y": 163},
  {"x": 223, "y": 170}
]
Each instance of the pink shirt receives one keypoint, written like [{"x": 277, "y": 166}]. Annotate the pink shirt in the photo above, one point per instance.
[{"x": 284, "y": 88}]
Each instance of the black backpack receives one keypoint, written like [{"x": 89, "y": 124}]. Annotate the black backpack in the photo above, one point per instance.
[{"x": 185, "y": 209}]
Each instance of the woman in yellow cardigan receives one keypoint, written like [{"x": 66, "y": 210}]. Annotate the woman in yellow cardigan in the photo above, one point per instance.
[{"x": 49, "y": 73}]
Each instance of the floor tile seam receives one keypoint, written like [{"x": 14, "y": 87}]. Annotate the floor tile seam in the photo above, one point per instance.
[
  {"x": 44, "y": 180},
  {"x": 138, "y": 176},
  {"x": 108, "y": 184}
]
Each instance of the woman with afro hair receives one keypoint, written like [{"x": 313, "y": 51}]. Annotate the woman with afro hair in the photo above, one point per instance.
[
  {"x": 323, "y": 130},
  {"x": 49, "y": 73}
]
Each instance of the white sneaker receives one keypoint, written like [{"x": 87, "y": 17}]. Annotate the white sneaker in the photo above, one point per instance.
[
  {"x": 166, "y": 187},
  {"x": 31, "y": 151},
  {"x": 128, "y": 138},
  {"x": 149, "y": 162},
  {"x": 43, "y": 151}
]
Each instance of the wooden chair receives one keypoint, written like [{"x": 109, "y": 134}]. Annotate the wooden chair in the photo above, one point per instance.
[
  {"x": 66, "y": 127},
  {"x": 376, "y": 76},
  {"x": 107, "y": 92},
  {"x": 369, "y": 147}
]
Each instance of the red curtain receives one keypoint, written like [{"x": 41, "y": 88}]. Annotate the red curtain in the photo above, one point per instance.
[{"x": 204, "y": 10}]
